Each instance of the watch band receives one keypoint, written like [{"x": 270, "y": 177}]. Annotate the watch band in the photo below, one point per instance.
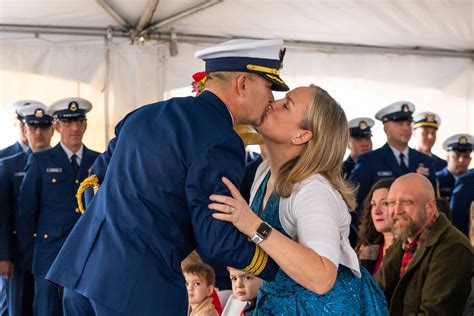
[{"x": 262, "y": 233}]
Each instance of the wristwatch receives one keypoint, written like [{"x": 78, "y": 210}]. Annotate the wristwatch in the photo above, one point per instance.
[{"x": 263, "y": 231}]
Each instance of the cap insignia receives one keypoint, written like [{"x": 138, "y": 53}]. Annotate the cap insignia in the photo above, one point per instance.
[
  {"x": 405, "y": 108},
  {"x": 462, "y": 140},
  {"x": 39, "y": 113},
  {"x": 363, "y": 125},
  {"x": 73, "y": 106}
]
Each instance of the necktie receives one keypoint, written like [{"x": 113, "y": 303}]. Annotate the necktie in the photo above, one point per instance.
[
  {"x": 74, "y": 164},
  {"x": 403, "y": 164}
]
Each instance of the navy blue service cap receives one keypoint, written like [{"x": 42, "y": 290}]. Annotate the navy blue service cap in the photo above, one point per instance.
[
  {"x": 396, "y": 112},
  {"x": 263, "y": 57},
  {"x": 459, "y": 142},
  {"x": 361, "y": 127},
  {"x": 426, "y": 119},
  {"x": 17, "y": 105},
  {"x": 70, "y": 109},
  {"x": 35, "y": 114}
]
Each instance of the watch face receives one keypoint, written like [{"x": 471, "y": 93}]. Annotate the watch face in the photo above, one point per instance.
[{"x": 264, "y": 230}]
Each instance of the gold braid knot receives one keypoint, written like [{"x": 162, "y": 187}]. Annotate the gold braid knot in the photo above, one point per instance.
[{"x": 91, "y": 181}]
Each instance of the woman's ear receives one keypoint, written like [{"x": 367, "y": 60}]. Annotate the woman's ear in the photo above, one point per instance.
[{"x": 302, "y": 138}]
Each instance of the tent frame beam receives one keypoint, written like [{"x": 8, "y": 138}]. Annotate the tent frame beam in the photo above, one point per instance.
[{"x": 203, "y": 39}]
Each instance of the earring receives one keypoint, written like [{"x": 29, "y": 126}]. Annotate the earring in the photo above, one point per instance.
[{"x": 293, "y": 141}]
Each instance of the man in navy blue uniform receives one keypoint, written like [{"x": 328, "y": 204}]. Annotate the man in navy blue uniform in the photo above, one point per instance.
[
  {"x": 22, "y": 144},
  {"x": 459, "y": 148},
  {"x": 360, "y": 141},
  {"x": 425, "y": 127},
  {"x": 392, "y": 160},
  {"x": 461, "y": 200},
  {"x": 47, "y": 195},
  {"x": 123, "y": 256},
  {"x": 15, "y": 243}
]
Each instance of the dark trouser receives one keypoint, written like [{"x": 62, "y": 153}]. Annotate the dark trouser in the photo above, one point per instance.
[
  {"x": 20, "y": 290},
  {"x": 48, "y": 300},
  {"x": 76, "y": 304}
]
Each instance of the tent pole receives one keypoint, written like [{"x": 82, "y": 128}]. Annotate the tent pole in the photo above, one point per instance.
[{"x": 107, "y": 86}]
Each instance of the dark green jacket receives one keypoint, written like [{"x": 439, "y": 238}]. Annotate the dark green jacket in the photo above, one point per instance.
[{"x": 438, "y": 279}]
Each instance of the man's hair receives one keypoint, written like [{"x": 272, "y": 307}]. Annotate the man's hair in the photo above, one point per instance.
[
  {"x": 223, "y": 79},
  {"x": 203, "y": 270}
]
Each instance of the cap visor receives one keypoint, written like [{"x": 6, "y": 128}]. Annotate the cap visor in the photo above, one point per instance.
[{"x": 278, "y": 84}]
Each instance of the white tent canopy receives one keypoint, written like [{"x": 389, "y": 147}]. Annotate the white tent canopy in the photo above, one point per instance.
[{"x": 366, "y": 53}]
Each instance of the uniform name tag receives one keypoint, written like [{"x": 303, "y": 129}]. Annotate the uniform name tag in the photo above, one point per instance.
[
  {"x": 54, "y": 170},
  {"x": 384, "y": 173},
  {"x": 20, "y": 174}
]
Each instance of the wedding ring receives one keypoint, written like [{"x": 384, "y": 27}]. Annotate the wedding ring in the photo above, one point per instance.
[{"x": 231, "y": 209}]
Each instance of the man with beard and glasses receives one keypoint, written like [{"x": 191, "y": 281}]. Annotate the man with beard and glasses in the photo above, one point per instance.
[{"x": 429, "y": 267}]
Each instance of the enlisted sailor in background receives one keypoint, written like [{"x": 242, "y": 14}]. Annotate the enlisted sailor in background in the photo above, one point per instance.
[
  {"x": 461, "y": 200},
  {"x": 459, "y": 148},
  {"x": 16, "y": 245},
  {"x": 392, "y": 160},
  {"x": 47, "y": 195},
  {"x": 360, "y": 141},
  {"x": 425, "y": 127},
  {"x": 22, "y": 144},
  {"x": 123, "y": 256}
]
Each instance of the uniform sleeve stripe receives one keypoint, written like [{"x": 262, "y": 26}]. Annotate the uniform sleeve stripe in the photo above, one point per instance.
[
  {"x": 254, "y": 260},
  {"x": 258, "y": 263},
  {"x": 264, "y": 263}
]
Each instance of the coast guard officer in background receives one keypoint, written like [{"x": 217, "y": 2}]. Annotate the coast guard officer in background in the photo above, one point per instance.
[
  {"x": 360, "y": 141},
  {"x": 124, "y": 255},
  {"x": 459, "y": 148},
  {"x": 16, "y": 245},
  {"x": 47, "y": 195},
  {"x": 395, "y": 158},
  {"x": 461, "y": 200},
  {"x": 425, "y": 127},
  {"x": 22, "y": 144}
]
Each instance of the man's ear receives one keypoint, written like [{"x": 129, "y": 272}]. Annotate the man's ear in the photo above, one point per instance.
[
  {"x": 431, "y": 208},
  {"x": 56, "y": 127},
  {"x": 240, "y": 83}
]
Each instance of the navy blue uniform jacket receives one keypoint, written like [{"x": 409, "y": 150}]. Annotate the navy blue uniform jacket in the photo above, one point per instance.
[
  {"x": 48, "y": 205},
  {"x": 461, "y": 199},
  {"x": 152, "y": 210},
  {"x": 11, "y": 176},
  {"x": 438, "y": 162},
  {"x": 347, "y": 167},
  {"x": 11, "y": 150},
  {"x": 446, "y": 183},
  {"x": 381, "y": 163}
]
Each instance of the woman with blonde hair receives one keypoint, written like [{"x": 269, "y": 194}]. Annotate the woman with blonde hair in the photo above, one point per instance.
[{"x": 299, "y": 212}]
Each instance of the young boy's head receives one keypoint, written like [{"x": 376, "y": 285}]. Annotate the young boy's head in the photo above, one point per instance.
[
  {"x": 200, "y": 280},
  {"x": 244, "y": 285}
]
